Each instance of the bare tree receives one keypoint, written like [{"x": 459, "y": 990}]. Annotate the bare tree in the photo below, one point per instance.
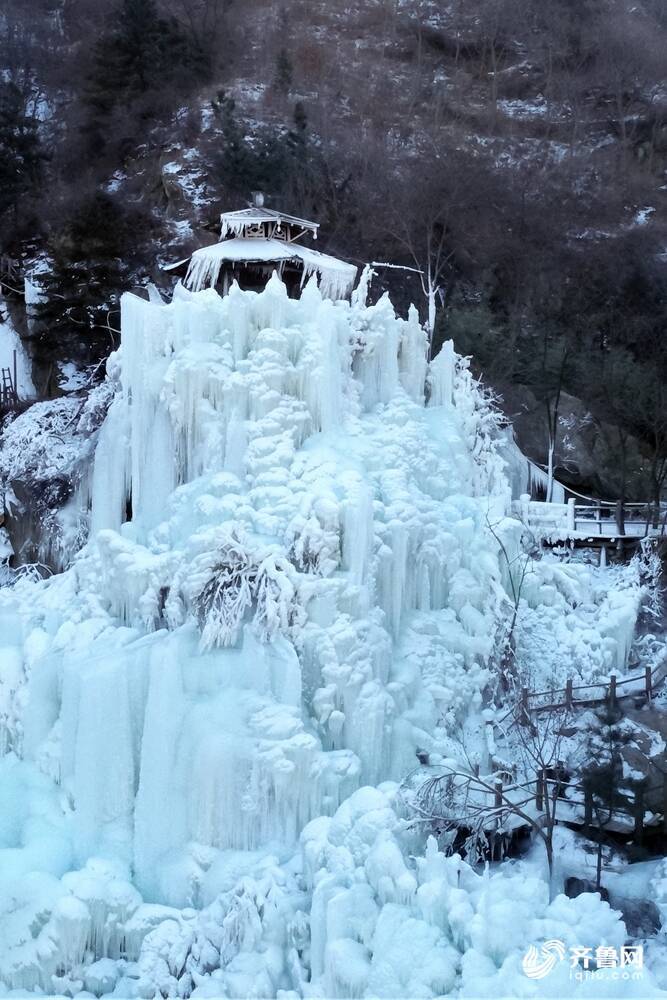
[
  {"x": 427, "y": 246},
  {"x": 453, "y": 800},
  {"x": 516, "y": 568}
]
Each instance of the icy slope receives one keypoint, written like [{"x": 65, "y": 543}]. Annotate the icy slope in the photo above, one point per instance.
[{"x": 290, "y": 586}]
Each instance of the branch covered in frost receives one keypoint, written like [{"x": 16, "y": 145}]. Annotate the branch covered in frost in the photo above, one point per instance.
[
  {"x": 314, "y": 549},
  {"x": 237, "y": 581},
  {"x": 647, "y": 566}
]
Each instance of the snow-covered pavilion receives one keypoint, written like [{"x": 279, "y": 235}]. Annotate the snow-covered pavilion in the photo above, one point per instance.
[{"x": 255, "y": 242}]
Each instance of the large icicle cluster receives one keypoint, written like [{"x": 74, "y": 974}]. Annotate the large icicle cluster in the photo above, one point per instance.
[{"x": 289, "y": 587}]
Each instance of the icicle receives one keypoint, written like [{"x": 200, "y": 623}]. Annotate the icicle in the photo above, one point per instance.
[
  {"x": 442, "y": 376},
  {"x": 360, "y": 293}
]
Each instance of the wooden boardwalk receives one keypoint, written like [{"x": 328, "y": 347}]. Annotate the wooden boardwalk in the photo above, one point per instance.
[
  {"x": 593, "y": 521},
  {"x": 577, "y": 806},
  {"x": 503, "y": 810}
]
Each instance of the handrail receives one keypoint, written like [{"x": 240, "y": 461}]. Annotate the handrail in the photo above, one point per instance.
[
  {"x": 489, "y": 783},
  {"x": 655, "y": 676},
  {"x": 599, "y": 521},
  {"x": 583, "y": 496}
]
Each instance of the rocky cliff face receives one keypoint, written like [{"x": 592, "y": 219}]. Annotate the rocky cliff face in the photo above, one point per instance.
[
  {"x": 45, "y": 467},
  {"x": 587, "y": 453}
]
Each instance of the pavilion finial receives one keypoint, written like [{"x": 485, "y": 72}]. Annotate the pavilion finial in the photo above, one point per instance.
[{"x": 258, "y": 199}]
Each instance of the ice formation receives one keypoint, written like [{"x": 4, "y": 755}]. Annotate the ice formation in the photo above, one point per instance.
[
  {"x": 290, "y": 586},
  {"x": 11, "y": 346},
  {"x": 335, "y": 276}
]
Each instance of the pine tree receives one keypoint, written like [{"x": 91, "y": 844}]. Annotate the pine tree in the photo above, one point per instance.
[
  {"x": 93, "y": 258},
  {"x": 140, "y": 55},
  {"x": 284, "y": 72},
  {"x": 300, "y": 130},
  {"x": 604, "y": 770},
  {"x": 20, "y": 154},
  {"x": 244, "y": 166}
]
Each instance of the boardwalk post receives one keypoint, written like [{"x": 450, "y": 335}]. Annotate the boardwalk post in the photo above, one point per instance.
[
  {"x": 498, "y": 802},
  {"x": 620, "y": 517},
  {"x": 649, "y": 683},
  {"x": 612, "y": 690},
  {"x": 639, "y": 814},
  {"x": 568, "y": 694},
  {"x": 571, "y": 518}
]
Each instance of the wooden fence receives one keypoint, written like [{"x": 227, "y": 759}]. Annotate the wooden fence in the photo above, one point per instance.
[
  {"x": 574, "y": 695},
  {"x": 595, "y": 519},
  {"x": 585, "y": 809},
  {"x": 643, "y": 685}
]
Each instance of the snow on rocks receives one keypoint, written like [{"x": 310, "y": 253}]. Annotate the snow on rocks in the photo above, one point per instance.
[{"x": 45, "y": 461}]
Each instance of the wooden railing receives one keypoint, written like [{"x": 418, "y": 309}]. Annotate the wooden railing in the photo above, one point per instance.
[
  {"x": 570, "y": 697},
  {"x": 595, "y": 518},
  {"x": 629, "y": 805}
]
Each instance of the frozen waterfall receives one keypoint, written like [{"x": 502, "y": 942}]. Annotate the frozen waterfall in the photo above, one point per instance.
[{"x": 289, "y": 587}]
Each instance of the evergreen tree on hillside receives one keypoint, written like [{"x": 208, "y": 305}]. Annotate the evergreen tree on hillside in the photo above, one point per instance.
[
  {"x": 604, "y": 768},
  {"x": 283, "y": 162},
  {"x": 136, "y": 59},
  {"x": 93, "y": 259},
  {"x": 139, "y": 53},
  {"x": 284, "y": 72},
  {"x": 255, "y": 162},
  {"x": 20, "y": 154}
]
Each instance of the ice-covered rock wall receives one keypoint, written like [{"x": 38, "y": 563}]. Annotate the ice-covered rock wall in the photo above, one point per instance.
[{"x": 290, "y": 586}]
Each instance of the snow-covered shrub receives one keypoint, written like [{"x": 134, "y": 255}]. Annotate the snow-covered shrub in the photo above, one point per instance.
[
  {"x": 223, "y": 600},
  {"x": 238, "y": 581},
  {"x": 314, "y": 548}
]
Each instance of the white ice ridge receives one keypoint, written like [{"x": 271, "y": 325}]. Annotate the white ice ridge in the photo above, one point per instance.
[{"x": 290, "y": 585}]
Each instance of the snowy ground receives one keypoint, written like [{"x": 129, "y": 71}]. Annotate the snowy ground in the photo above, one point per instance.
[{"x": 291, "y": 585}]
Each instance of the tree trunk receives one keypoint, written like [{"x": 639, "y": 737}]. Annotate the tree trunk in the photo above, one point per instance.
[
  {"x": 432, "y": 291},
  {"x": 620, "y": 506},
  {"x": 549, "y": 847},
  {"x": 620, "y": 516},
  {"x": 550, "y": 471}
]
